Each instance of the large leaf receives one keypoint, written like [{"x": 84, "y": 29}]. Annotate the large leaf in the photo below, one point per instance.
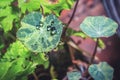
[
  {"x": 102, "y": 71},
  {"x": 99, "y": 26},
  {"x": 40, "y": 34}
]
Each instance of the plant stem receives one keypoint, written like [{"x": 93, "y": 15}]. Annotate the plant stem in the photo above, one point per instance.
[
  {"x": 94, "y": 52},
  {"x": 42, "y": 10},
  {"x": 75, "y": 8},
  {"x": 35, "y": 76}
]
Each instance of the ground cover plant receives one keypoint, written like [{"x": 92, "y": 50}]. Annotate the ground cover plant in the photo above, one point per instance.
[{"x": 31, "y": 35}]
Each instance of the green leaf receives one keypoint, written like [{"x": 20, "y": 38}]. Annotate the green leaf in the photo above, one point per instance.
[
  {"x": 40, "y": 34},
  {"x": 80, "y": 34},
  {"x": 7, "y": 23},
  {"x": 4, "y": 3},
  {"x": 19, "y": 67},
  {"x": 40, "y": 59},
  {"x": 99, "y": 26},
  {"x": 101, "y": 71},
  {"x": 5, "y": 11},
  {"x": 50, "y": 7},
  {"x": 101, "y": 44},
  {"x": 4, "y": 66},
  {"x": 29, "y": 5},
  {"x": 7, "y": 18},
  {"x": 16, "y": 50},
  {"x": 74, "y": 75}
]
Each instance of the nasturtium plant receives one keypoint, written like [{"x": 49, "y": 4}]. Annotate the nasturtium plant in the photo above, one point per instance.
[
  {"x": 39, "y": 33},
  {"x": 98, "y": 26},
  {"x": 101, "y": 71},
  {"x": 74, "y": 75}
]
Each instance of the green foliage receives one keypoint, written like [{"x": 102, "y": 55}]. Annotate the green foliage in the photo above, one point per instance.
[
  {"x": 16, "y": 63},
  {"x": 4, "y": 68},
  {"x": 47, "y": 5},
  {"x": 74, "y": 75},
  {"x": 101, "y": 71},
  {"x": 40, "y": 34},
  {"x": 99, "y": 26},
  {"x": 11, "y": 10},
  {"x": 29, "y": 5},
  {"x": 80, "y": 34},
  {"x": 56, "y": 7},
  {"x": 7, "y": 16},
  {"x": 4, "y": 3},
  {"x": 101, "y": 44}
]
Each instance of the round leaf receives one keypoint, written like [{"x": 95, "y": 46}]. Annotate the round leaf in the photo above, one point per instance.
[
  {"x": 38, "y": 33},
  {"x": 101, "y": 71},
  {"x": 99, "y": 26}
]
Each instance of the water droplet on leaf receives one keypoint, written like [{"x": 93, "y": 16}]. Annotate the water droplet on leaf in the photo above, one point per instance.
[
  {"x": 48, "y": 28},
  {"x": 53, "y": 32}
]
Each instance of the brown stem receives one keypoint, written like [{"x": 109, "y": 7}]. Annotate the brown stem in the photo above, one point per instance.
[
  {"x": 42, "y": 10},
  {"x": 75, "y": 8},
  {"x": 95, "y": 51},
  {"x": 35, "y": 76}
]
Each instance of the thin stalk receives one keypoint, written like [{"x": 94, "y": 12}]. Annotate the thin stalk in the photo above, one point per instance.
[
  {"x": 95, "y": 51},
  {"x": 42, "y": 10},
  {"x": 75, "y": 8},
  {"x": 35, "y": 76}
]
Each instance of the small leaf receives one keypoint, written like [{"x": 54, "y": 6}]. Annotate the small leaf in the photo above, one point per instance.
[
  {"x": 74, "y": 75},
  {"x": 35, "y": 35},
  {"x": 26, "y": 5},
  {"x": 101, "y": 71},
  {"x": 99, "y": 26}
]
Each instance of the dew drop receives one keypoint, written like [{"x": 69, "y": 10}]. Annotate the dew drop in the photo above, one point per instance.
[
  {"x": 48, "y": 28},
  {"x": 53, "y": 32},
  {"x": 38, "y": 27},
  {"x": 41, "y": 24}
]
